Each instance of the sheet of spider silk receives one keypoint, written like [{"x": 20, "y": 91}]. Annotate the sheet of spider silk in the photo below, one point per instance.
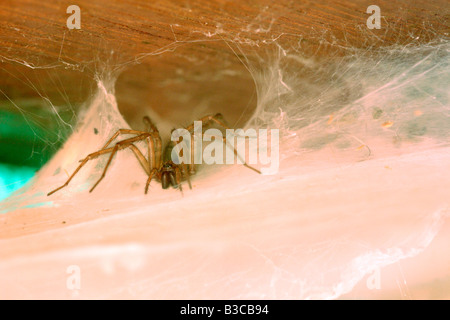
[{"x": 359, "y": 207}]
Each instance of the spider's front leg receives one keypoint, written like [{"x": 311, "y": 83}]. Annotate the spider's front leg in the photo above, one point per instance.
[
  {"x": 83, "y": 162},
  {"x": 119, "y": 146},
  {"x": 150, "y": 176},
  {"x": 113, "y": 150}
]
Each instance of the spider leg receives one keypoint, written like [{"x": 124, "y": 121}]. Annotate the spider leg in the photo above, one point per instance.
[
  {"x": 83, "y": 162},
  {"x": 192, "y": 154},
  {"x": 238, "y": 156},
  {"x": 119, "y": 146},
  {"x": 216, "y": 119},
  {"x": 149, "y": 125},
  {"x": 150, "y": 176},
  {"x": 158, "y": 150},
  {"x": 118, "y": 132},
  {"x": 154, "y": 144},
  {"x": 210, "y": 118},
  {"x": 123, "y": 144},
  {"x": 185, "y": 173},
  {"x": 178, "y": 179},
  {"x": 154, "y": 158},
  {"x": 178, "y": 176},
  {"x": 142, "y": 160},
  {"x": 154, "y": 153},
  {"x": 121, "y": 131},
  {"x": 116, "y": 147}
]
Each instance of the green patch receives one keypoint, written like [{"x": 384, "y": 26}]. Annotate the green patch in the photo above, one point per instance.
[
  {"x": 30, "y": 133},
  {"x": 13, "y": 178},
  {"x": 31, "y": 137}
]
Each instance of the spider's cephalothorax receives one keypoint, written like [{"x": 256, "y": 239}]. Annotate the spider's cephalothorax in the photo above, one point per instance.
[{"x": 167, "y": 172}]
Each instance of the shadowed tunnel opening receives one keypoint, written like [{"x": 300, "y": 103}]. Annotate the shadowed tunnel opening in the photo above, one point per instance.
[{"x": 176, "y": 88}]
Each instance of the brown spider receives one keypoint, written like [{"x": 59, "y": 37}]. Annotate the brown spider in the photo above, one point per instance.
[{"x": 166, "y": 172}]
